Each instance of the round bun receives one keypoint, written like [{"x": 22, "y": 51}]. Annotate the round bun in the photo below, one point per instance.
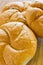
[
  {"x": 13, "y": 12},
  {"x": 17, "y": 44},
  {"x": 34, "y": 17}
]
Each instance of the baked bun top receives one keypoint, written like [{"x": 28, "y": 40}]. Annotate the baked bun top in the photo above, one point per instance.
[
  {"x": 34, "y": 17},
  {"x": 13, "y": 12},
  {"x": 17, "y": 44}
]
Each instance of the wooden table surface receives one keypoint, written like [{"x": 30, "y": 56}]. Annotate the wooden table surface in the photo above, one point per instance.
[{"x": 38, "y": 58}]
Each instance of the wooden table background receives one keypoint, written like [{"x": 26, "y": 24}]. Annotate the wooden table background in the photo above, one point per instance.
[{"x": 38, "y": 58}]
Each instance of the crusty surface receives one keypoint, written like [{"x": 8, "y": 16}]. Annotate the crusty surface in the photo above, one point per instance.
[
  {"x": 17, "y": 44},
  {"x": 34, "y": 17},
  {"x": 13, "y": 12},
  {"x": 30, "y": 13}
]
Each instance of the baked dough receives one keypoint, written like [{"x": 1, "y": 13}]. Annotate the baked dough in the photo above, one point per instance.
[
  {"x": 30, "y": 13},
  {"x": 13, "y": 12},
  {"x": 34, "y": 17},
  {"x": 18, "y": 44}
]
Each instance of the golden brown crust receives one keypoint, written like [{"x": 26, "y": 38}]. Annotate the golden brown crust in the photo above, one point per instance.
[
  {"x": 21, "y": 43},
  {"x": 37, "y": 4},
  {"x": 26, "y": 12},
  {"x": 11, "y": 15},
  {"x": 21, "y": 6},
  {"x": 34, "y": 17},
  {"x": 16, "y": 38},
  {"x": 13, "y": 12}
]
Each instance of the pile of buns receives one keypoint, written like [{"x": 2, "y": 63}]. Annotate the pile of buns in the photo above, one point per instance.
[{"x": 20, "y": 23}]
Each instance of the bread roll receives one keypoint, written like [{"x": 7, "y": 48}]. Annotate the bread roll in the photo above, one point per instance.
[
  {"x": 13, "y": 12},
  {"x": 34, "y": 17},
  {"x": 18, "y": 44}
]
